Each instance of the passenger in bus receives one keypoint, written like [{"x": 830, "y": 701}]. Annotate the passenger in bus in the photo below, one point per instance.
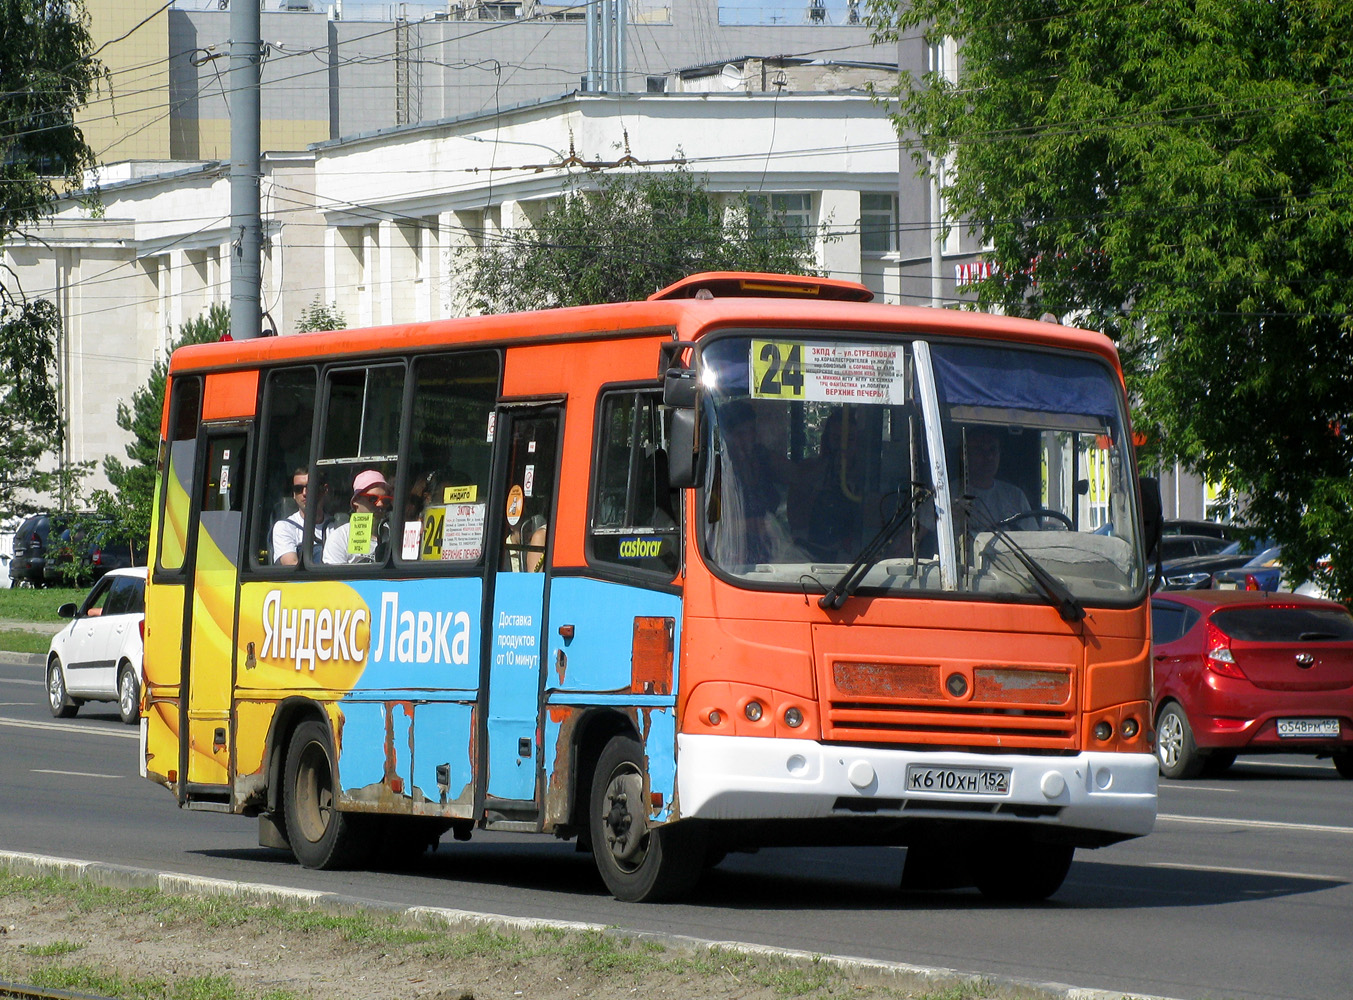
[
  {"x": 288, "y": 532},
  {"x": 372, "y": 495},
  {"x": 825, "y": 509},
  {"x": 750, "y": 528},
  {"x": 526, "y": 556},
  {"x": 986, "y": 501}
]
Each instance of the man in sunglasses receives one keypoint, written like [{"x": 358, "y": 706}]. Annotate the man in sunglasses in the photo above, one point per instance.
[
  {"x": 288, "y": 532},
  {"x": 363, "y": 537}
]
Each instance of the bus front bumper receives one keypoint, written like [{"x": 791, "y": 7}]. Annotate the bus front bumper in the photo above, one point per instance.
[{"x": 748, "y": 778}]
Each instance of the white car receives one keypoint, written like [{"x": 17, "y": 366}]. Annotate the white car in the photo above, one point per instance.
[{"x": 97, "y": 657}]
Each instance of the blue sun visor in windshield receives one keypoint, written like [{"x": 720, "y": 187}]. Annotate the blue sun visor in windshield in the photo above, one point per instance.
[{"x": 997, "y": 378}]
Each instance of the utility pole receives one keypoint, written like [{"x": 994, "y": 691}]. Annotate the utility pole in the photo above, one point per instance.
[{"x": 246, "y": 227}]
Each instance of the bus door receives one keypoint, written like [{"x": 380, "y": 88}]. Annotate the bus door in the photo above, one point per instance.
[
  {"x": 526, "y": 498},
  {"x": 213, "y": 554}
]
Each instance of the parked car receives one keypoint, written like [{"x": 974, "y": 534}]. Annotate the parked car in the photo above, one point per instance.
[
  {"x": 1263, "y": 572},
  {"x": 1240, "y": 671},
  {"x": 1213, "y": 529},
  {"x": 1174, "y": 547},
  {"x": 97, "y": 657},
  {"x": 1192, "y": 572},
  {"x": 29, "y": 559},
  {"x": 88, "y": 549}
]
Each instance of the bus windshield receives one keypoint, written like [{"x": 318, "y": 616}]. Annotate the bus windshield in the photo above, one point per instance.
[{"x": 918, "y": 465}]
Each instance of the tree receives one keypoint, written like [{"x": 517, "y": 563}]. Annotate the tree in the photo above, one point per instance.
[
  {"x": 47, "y": 69},
  {"x": 1177, "y": 174},
  {"x": 318, "y": 316},
  {"x": 623, "y": 237},
  {"x": 30, "y": 417},
  {"x": 129, "y": 503}
]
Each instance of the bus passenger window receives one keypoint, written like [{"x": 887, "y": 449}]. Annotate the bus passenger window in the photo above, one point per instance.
[
  {"x": 442, "y": 509},
  {"x": 185, "y": 413},
  {"x": 282, "y": 492},
  {"x": 358, "y": 462},
  {"x": 635, "y": 513}
]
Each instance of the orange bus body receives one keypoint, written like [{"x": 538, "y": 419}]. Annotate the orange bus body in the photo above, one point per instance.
[{"x": 679, "y": 680}]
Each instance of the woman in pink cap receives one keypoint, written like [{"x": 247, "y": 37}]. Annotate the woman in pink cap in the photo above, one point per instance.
[{"x": 371, "y": 495}]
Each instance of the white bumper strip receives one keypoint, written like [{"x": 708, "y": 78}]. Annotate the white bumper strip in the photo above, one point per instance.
[{"x": 739, "y": 777}]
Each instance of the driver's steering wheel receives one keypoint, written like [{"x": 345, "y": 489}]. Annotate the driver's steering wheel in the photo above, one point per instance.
[{"x": 1038, "y": 514}]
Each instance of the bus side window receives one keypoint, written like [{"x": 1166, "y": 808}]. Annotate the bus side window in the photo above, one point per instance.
[
  {"x": 442, "y": 511},
  {"x": 358, "y": 462},
  {"x": 288, "y": 415},
  {"x": 636, "y": 515},
  {"x": 185, "y": 413}
]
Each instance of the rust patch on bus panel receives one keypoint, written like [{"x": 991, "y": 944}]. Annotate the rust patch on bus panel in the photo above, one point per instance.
[
  {"x": 651, "y": 655},
  {"x": 1021, "y": 685},
  {"x": 887, "y": 680},
  {"x": 559, "y": 783}
]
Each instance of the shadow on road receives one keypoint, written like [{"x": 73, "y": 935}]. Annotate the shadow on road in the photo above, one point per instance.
[{"x": 841, "y": 879}]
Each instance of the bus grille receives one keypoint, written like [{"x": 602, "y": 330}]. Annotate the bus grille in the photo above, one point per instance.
[{"x": 994, "y": 706}]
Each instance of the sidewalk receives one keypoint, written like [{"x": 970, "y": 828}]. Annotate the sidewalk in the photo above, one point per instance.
[
  {"x": 37, "y": 628},
  {"x": 45, "y": 628}
]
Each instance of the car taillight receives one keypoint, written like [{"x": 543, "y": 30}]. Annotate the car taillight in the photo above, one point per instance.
[
  {"x": 142, "y": 626},
  {"x": 1219, "y": 658},
  {"x": 97, "y": 557}
]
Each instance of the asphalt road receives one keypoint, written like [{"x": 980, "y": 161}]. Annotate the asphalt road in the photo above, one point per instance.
[{"x": 1242, "y": 891}]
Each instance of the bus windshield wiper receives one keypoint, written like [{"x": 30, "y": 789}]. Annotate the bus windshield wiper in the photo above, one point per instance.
[
  {"x": 870, "y": 554},
  {"x": 1054, "y": 589}
]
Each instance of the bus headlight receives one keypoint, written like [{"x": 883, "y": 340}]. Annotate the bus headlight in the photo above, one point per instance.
[
  {"x": 793, "y": 718},
  {"x": 1103, "y": 731},
  {"x": 753, "y": 711}
]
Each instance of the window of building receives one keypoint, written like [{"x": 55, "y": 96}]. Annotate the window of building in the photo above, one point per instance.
[
  {"x": 635, "y": 513},
  {"x": 878, "y": 223},
  {"x": 793, "y": 212}
]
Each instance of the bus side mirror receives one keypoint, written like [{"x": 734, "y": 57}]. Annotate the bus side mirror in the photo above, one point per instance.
[
  {"x": 1153, "y": 520},
  {"x": 681, "y": 458},
  {"x": 678, "y": 388}
]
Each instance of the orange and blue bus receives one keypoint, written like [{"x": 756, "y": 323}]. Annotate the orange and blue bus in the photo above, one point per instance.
[{"x": 753, "y": 562}]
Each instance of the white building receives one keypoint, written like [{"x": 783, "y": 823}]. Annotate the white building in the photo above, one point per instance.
[
  {"x": 391, "y": 247},
  {"x": 372, "y": 223}
]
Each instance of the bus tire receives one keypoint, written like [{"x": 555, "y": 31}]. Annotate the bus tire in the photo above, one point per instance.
[
  {"x": 1021, "y": 870},
  {"x": 321, "y": 836},
  {"x": 1175, "y": 749},
  {"x": 638, "y": 863}
]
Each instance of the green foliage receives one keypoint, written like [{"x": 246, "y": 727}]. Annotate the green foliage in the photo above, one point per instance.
[
  {"x": 129, "y": 503},
  {"x": 318, "y": 316},
  {"x": 47, "y": 71},
  {"x": 621, "y": 237},
  {"x": 1178, "y": 175},
  {"x": 30, "y": 416}
]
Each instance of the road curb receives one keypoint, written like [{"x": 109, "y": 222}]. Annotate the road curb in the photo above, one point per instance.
[
  {"x": 24, "y": 659},
  {"x": 128, "y": 877}
]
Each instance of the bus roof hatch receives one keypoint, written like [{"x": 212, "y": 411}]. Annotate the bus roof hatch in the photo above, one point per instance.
[{"x": 742, "y": 284}]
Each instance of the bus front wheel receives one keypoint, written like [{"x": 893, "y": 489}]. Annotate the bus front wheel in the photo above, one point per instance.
[
  {"x": 1021, "y": 870},
  {"x": 320, "y": 835},
  {"x": 638, "y": 863}
]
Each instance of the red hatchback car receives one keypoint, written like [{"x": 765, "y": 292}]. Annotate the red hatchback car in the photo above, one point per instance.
[{"x": 1240, "y": 671}]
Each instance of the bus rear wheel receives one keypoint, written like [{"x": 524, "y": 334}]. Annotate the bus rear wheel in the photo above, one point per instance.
[
  {"x": 638, "y": 863},
  {"x": 321, "y": 836}
]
